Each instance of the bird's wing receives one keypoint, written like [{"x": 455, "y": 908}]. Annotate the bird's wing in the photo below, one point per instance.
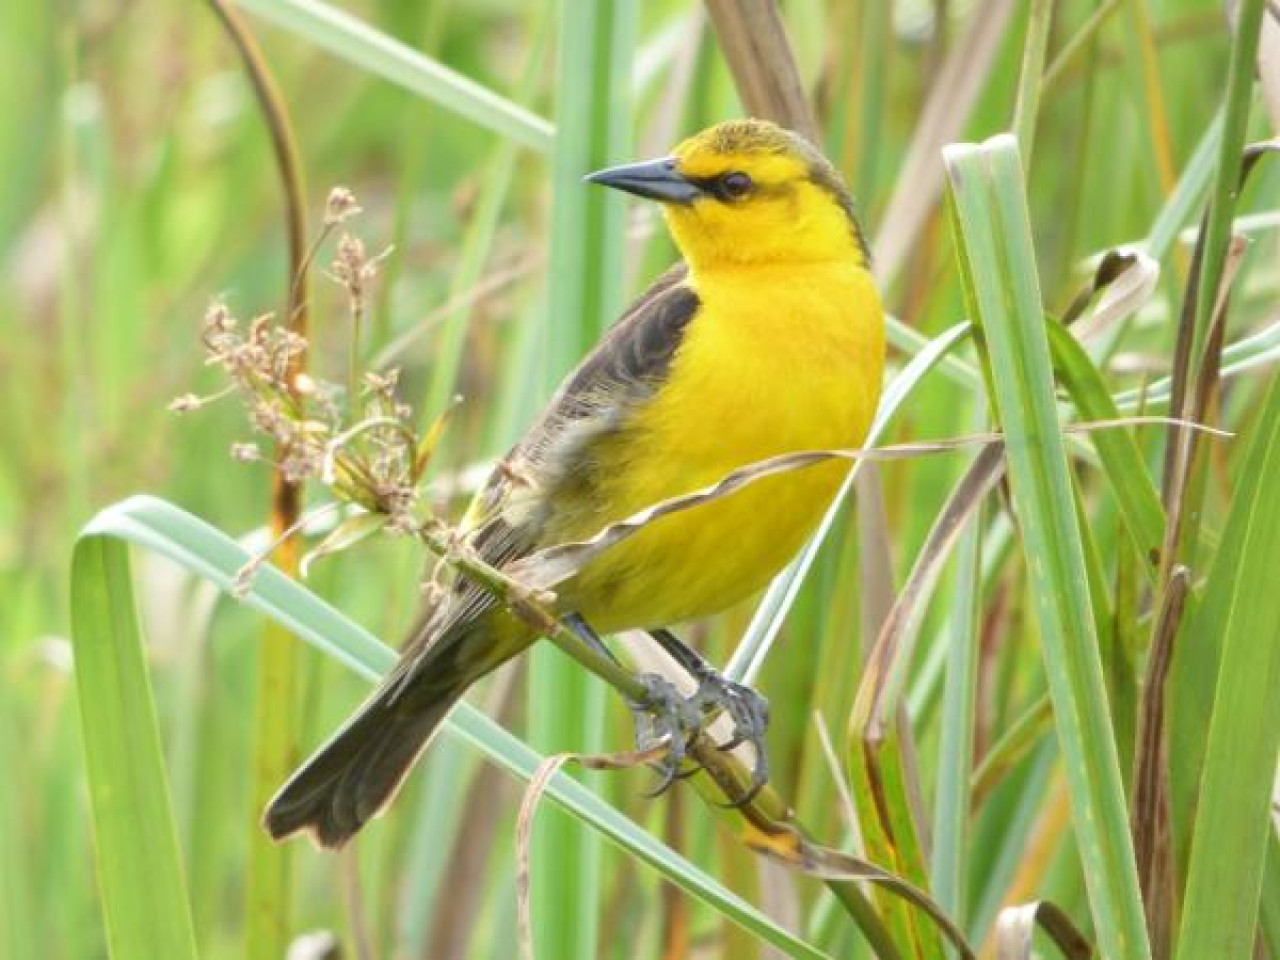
[{"x": 552, "y": 465}]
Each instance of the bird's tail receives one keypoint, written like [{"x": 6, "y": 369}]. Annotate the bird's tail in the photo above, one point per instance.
[{"x": 356, "y": 774}]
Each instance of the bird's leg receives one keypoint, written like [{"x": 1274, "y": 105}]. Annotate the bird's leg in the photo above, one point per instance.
[
  {"x": 748, "y": 710},
  {"x": 584, "y": 632},
  {"x": 662, "y": 716}
]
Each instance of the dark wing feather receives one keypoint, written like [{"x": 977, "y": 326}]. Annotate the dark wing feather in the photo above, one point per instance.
[
  {"x": 355, "y": 775},
  {"x": 631, "y": 357},
  {"x": 618, "y": 376},
  {"x": 520, "y": 498}
]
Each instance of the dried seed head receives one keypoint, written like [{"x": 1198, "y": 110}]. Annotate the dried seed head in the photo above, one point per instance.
[
  {"x": 260, "y": 329},
  {"x": 290, "y": 343},
  {"x": 403, "y": 522},
  {"x": 340, "y": 207},
  {"x": 185, "y": 403},
  {"x": 301, "y": 461},
  {"x": 268, "y": 416},
  {"x": 218, "y": 319},
  {"x": 349, "y": 263},
  {"x": 382, "y": 385},
  {"x": 242, "y": 582},
  {"x": 360, "y": 442},
  {"x": 324, "y": 399}
]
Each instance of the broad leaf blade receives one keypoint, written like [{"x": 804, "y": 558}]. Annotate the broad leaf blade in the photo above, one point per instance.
[
  {"x": 144, "y": 898},
  {"x": 994, "y": 238},
  {"x": 1240, "y": 617},
  {"x": 1122, "y": 463},
  {"x": 369, "y": 49},
  {"x": 212, "y": 555},
  {"x": 586, "y": 255}
]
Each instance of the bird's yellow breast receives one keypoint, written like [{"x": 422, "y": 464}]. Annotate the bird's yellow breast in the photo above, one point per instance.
[{"x": 776, "y": 359}]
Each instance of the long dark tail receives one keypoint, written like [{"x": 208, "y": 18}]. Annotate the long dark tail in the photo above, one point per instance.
[{"x": 356, "y": 774}]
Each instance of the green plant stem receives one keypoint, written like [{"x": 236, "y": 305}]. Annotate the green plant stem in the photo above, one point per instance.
[
  {"x": 1060, "y": 64},
  {"x": 1030, "y": 81},
  {"x": 955, "y": 749},
  {"x": 278, "y": 683},
  {"x": 596, "y": 40},
  {"x": 868, "y": 919},
  {"x": 1226, "y": 177},
  {"x": 767, "y": 811}
]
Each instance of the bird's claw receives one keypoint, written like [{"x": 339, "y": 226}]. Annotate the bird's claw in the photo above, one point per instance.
[
  {"x": 749, "y": 712},
  {"x": 665, "y": 717}
]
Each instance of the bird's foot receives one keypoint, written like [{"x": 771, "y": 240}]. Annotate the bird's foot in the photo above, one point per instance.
[
  {"x": 666, "y": 717},
  {"x": 749, "y": 713}
]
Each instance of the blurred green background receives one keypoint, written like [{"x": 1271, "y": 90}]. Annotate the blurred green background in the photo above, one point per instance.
[{"x": 138, "y": 185}]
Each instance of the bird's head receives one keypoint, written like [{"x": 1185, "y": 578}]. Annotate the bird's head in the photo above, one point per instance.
[{"x": 747, "y": 191}]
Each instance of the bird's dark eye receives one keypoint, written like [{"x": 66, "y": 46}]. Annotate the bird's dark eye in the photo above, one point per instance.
[{"x": 735, "y": 185}]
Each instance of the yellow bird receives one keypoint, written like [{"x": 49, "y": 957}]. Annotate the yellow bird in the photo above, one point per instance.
[{"x": 768, "y": 338}]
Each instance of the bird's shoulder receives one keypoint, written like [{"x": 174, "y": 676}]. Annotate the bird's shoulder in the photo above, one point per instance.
[
  {"x": 550, "y": 470},
  {"x": 633, "y": 355},
  {"x": 622, "y": 372}
]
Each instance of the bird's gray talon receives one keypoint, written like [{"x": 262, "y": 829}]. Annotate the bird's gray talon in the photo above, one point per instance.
[
  {"x": 668, "y": 780},
  {"x": 753, "y": 791},
  {"x": 665, "y": 716},
  {"x": 749, "y": 712}
]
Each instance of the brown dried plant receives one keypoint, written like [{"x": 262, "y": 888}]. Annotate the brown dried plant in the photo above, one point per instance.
[{"x": 360, "y": 442}]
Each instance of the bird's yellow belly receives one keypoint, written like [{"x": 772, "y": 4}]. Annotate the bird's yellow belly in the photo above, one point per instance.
[
  {"x": 707, "y": 558},
  {"x": 752, "y": 383}
]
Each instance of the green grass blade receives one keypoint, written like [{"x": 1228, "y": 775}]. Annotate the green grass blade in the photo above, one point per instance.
[
  {"x": 953, "y": 796},
  {"x": 1240, "y": 616},
  {"x": 567, "y": 705},
  {"x": 373, "y": 51},
  {"x": 1122, "y": 463},
  {"x": 1181, "y": 203},
  {"x": 144, "y": 898},
  {"x": 477, "y": 243},
  {"x": 1270, "y": 921},
  {"x": 951, "y": 812},
  {"x": 993, "y": 237},
  {"x": 877, "y": 774},
  {"x": 911, "y": 342},
  {"x": 1251, "y": 352},
  {"x": 1226, "y": 177},
  {"x": 1026, "y": 108},
  {"x": 1004, "y": 830},
  {"x": 210, "y": 554}
]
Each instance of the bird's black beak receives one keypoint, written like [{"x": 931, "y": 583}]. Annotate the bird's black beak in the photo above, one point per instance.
[{"x": 652, "y": 179}]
